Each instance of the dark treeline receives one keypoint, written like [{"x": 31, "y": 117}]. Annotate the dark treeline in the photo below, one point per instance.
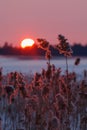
[{"x": 78, "y": 50}]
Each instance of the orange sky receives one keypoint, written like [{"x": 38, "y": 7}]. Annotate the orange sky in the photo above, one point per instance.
[{"x": 21, "y": 19}]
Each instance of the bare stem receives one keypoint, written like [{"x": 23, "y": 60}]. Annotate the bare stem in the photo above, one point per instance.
[{"x": 67, "y": 67}]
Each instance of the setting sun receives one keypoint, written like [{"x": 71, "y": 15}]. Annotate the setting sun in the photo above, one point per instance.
[{"x": 27, "y": 43}]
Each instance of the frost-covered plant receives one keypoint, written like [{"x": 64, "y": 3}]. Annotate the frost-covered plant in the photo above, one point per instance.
[
  {"x": 44, "y": 44},
  {"x": 42, "y": 104},
  {"x": 64, "y": 48}
]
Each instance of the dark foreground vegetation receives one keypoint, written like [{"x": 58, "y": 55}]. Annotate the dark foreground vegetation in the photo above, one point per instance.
[{"x": 46, "y": 101}]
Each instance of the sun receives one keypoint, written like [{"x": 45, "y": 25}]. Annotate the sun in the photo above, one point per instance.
[{"x": 27, "y": 43}]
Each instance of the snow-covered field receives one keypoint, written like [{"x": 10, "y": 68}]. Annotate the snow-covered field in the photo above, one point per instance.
[{"x": 29, "y": 65}]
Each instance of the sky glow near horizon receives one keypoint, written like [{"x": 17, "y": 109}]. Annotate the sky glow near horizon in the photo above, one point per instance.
[{"x": 34, "y": 19}]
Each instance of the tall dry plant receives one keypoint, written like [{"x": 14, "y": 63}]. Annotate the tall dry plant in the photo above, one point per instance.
[
  {"x": 64, "y": 48},
  {"x": 44, "y": 44}
]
